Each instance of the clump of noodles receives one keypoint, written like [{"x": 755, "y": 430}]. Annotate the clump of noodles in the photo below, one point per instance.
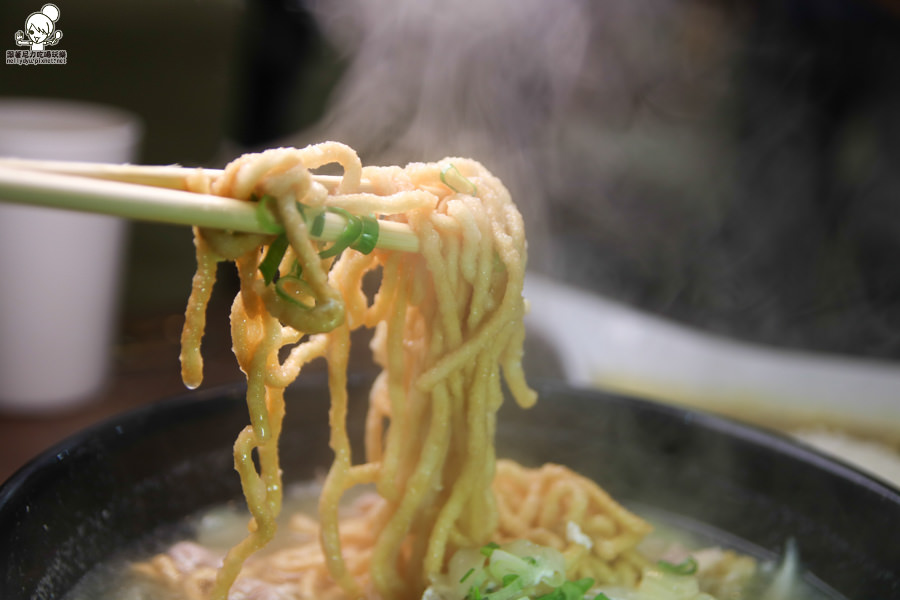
[
  {"x": 555, "y": 507},
  {"x": 448, "y": 330}
]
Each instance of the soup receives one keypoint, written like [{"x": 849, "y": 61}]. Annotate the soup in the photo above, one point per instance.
[{"x": 732, "y": 568}]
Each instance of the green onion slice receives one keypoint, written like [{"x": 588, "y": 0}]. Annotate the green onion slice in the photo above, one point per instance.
[
  {"x": 291, "y": 289},
  {"x": 318, "y": 224},
  {"x": 368, "y": 239},
  {"x": 467, "y": 575},
  {"x": 687, "y": 567},
  {"x": 570, "y": 590},
  {"x": 351, "y": 232},
  {"x": 489, "y": 548},
  {"x": 265, "y": 213},
  {"x": 360, "y": 233},
  {"x": 456, "y": 181},
  {"x": 269, "y": 264}
]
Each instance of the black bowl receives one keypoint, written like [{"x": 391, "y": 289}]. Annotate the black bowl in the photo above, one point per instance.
[{"x": 102, "y": 490}]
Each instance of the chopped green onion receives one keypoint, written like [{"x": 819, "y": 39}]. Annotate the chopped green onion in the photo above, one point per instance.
[
  {"x": 269, "y": 264},
  {"x": 508, "y": 579},
  {"x": 351, "y": 232},
  {"x": 318, "y": 224},
  {"x": 489, "y": 548},
  {"x": 474, "y": 593},
  {"x": 569, "y": 590},
  {"x": 601, "y": 596},
  {"x": 687, "y": 567},
  {"x": 360, "y": 233},
  {"x": 467, "y": 575},
  {"x": 583, "y": 584},
  {"x": 289, "y": 289},
  {"x": 368, "y": 239},
  {"x": 456, "y": 181},
  {"x": 530, "y": 560},
  {"x": 264, "y": 213}
]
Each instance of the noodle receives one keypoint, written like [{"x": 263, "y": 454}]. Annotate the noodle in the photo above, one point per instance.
[{"x": 448, "y": 332}]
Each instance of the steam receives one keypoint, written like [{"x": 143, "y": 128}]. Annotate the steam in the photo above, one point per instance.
[
  {"x": 662, "y": 151},
  {"x": 428, "y": 79},
  {"x": 576, "y": 105}
]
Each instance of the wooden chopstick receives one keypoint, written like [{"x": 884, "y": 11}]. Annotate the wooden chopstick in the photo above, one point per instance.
[
  {"x": 163, "y": 176},
  {"x": 127, "y": 191}
]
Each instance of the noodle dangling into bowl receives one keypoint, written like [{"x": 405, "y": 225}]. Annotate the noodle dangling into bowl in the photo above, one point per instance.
[{"x": 448, "y": 332}]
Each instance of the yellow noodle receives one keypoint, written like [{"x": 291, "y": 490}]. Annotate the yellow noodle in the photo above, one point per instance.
[
  {"x": 195, "y": 318},
  {"x": 447, "y": 332}
]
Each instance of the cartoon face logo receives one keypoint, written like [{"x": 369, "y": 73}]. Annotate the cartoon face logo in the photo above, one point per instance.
[{"x": 40, "y": 29}]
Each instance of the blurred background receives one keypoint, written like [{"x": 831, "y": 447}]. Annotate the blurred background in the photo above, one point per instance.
[{"x": 718, "y": 177}]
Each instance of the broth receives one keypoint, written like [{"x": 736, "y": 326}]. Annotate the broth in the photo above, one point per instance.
[{"x": 219, "y": 528}]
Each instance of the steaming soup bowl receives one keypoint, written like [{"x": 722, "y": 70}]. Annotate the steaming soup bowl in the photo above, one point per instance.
[{"x": 129, "y": 484}]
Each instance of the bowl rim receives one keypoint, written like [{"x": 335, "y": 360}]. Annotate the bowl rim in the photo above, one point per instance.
[{"x": 218, "y": 396}]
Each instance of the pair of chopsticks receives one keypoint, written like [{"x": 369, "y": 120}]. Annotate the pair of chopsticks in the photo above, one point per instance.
[{"x": 158, "y": 193}]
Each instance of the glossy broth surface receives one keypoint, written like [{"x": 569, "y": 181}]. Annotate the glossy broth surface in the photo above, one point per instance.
[{"x": 220, "y": 528}]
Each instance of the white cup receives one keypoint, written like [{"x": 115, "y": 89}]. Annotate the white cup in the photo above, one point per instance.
[{"x": 60, "y": 271}]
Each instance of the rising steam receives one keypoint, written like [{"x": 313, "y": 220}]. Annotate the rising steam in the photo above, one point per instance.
[
  {"x": 557, "y": 97},
  {"x": 664, "y": 152},
  {"x": 436, "y": 78}
]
